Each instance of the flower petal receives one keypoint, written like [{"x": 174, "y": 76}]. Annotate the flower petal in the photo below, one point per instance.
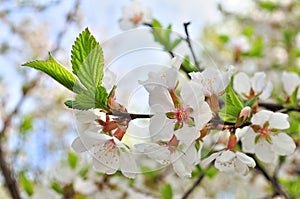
[
  {"x": 78, "y": 146},
  {"x": 283, "y": 144},
  {"x": 160, "y": 100},
  {"x": 279, "y": 121},
  {"x": 258, "y": 82},
  {"x": 264, "y": 152},
  {"x": 241, "y": 83},
  {"x": 128, "y": 165},
  {"x": 245, "y": 159},
  {"x": 248, "y": 140},
  {"x": 161, "y": 128},
  {"x": 261, "y": 117}
]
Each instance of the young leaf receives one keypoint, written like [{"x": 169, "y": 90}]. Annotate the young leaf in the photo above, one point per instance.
[
  {"x": 87, "y": 60},
  {"x": 233, "y": 105},
  {"x": 26, "y": 124},
  {"x": 26, "y": 184},
  {"x": 89, "y": 99},
  {"x": 163, "y": 36},
  {"x": 72, "y": 160},
  {"x": 55, "y": 70},
  {"x": 167, "y": 192}
]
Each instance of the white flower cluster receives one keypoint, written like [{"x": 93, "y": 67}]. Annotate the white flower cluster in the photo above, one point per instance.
[{"x": 180, "y": 120}]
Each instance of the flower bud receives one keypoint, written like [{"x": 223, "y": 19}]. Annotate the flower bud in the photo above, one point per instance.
[{"x": 243, "y": 116}]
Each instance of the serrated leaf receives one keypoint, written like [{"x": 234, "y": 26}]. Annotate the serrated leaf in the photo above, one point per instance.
[
  {"x": 26, "y": 184},
  {"x": 167, "y": 192},
  {"x": 233, "y": 105},
  {"x": 87, "y": 60},
  {"x": 89, "y": 100},
  {"x": 72, "y": 160},
  {"x": 52, "y": 68}
]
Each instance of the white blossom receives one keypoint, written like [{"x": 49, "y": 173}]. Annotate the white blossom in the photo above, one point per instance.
[
  {"x": 192, "y": 111},
  {"x": 250, "y": 87},
  {"x": 290, "y": 82},
  {"x": 229, "y": 161},
  {"x": 166, "y": 78},
  {"x": 265, "y": 139},
  {"x": 183, "y": 156},
  {"x": 134, "y": 15},
  {"x": 109, "y": 153},
  {"x": 212, "y": 80}
]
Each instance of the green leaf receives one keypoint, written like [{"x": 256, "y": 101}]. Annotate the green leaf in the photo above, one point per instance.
[
  {"x": 288, "y": 37},
  {"x": 80, "y": 196},
  {"x": 52, "y": 68},
  {"x": 293, "y": 97},
  {"x": 167, "y": 192},
  {"x": 268, "y": 5},
  {"x": 89, "y": 100},
  {"x": 187, "y": 66},
  {"x": 72, "y": 160},
  {"x": 163, "y": 36},
  {"x": 211, "y": 172},
  {"x": 248, "y": 31},
  {"x": 57, "y": 187},
  {"x": 224, "y": 38},
  {"x": 292, "y": 186},
  {"x": 256, "y": 48},
  {"x": 26, "y": 184},
  {"x": 26, "y": 124},
  {"x": 233, "y": 105},
  {"x": 87, "y": 60}
]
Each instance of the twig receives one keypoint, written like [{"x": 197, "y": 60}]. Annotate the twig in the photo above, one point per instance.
[
  {"x": 192, "y": 188},
  {"x": 188, "y": 40},
  {"x": 278, "y": 189}
]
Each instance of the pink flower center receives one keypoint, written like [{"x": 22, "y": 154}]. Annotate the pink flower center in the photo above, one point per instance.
[
  {"x": 137, "y": 18},
  {"x": 182, "y": 115}
]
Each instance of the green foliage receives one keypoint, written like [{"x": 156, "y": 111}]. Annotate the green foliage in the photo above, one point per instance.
[
  {"x": 26, "y": 124},
  {"x": 89, "y": 99},
  {"x": 248, "y": 31},
  {"x": 57, "y": 187},
  {"x": 167, "y": 192},
  {"x": 83, "y": 172},
  {"x": 26, "y": 184},
  {"x": 72, "y": 160},
  {"x": 87, "y": 60},
  {"x": 52, "y": 68},
  {"x": 288, "y": 37},
  {"x": 233, "y": 105},
  {"x": 224, "y": 38},
  {"x": 211, "y": 172},
  {"x": 80, "y": 196},
  {"x": 257, "y": 47},
  {"x": 292, "y": 186},
  {"x": 87, "y": 64},
  {"x": 268, "y": 5},
  {"x": 163, "y": 36},
  {"x": 187, "y": 66}
]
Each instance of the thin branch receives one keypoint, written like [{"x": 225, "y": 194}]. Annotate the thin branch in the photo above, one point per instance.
[
  {"x": 277, "y": 187},
  {"x": 188, "y": 40},
  {"x": 192, "y": 188}
]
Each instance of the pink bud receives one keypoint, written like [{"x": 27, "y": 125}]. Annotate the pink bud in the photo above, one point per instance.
[{"x": 245, "y": 113}]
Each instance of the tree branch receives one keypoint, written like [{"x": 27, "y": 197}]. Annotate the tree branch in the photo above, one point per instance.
[
  {"x": 277, "y": 187},
  {"x": 192, "y": 188},
  {"x": 188, "y": 40}
]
